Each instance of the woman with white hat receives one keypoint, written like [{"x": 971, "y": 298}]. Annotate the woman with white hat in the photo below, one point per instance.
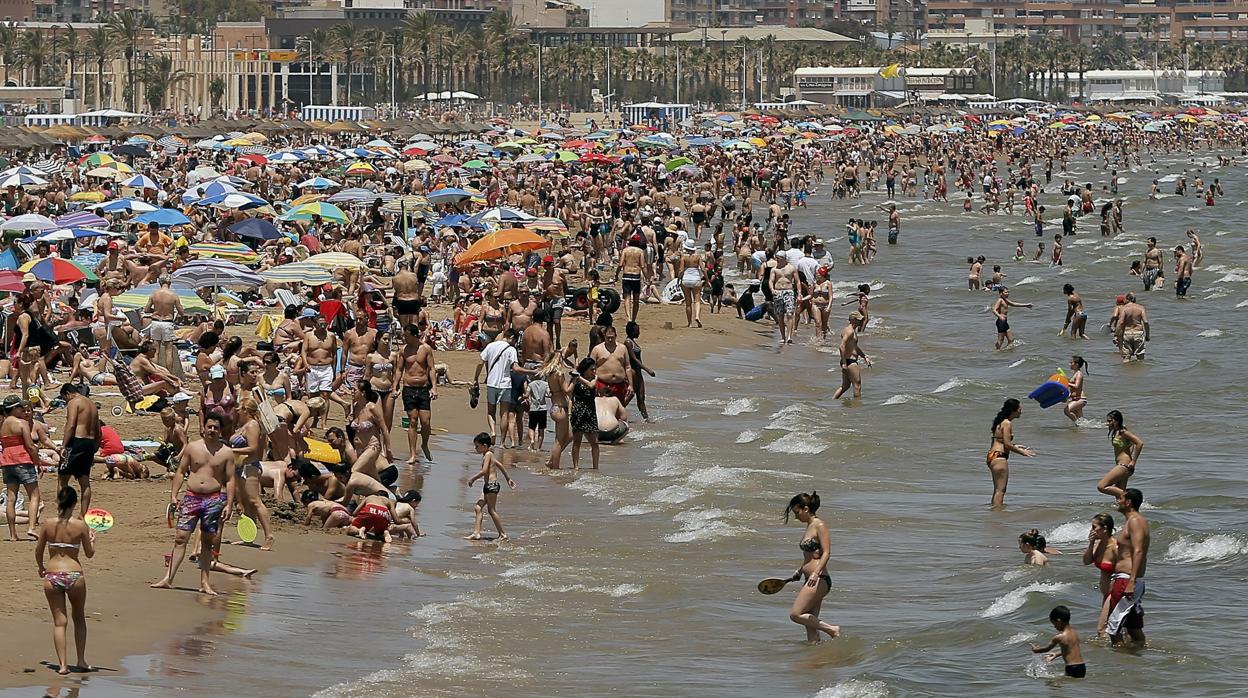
[{"x": 691, "y": 278}]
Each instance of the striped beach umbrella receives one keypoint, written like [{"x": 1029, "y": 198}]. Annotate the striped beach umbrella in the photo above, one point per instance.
[
  {"x": 55, "y": 270},
  {"x": 200, "y": 273},
  {"x": 136, "y": 299},
  {"x": 29, "y": 221},
  {"x": 230, "y": 251},
  {"x": 126, "y": 205},
  {"x": 299, "y": 272},
  {"x": 23, "y": 180},
  {"x": 81, "y": 219},
  {"x": 172, "y": 142},
  {"x": 327, "y": 212},
  {"x": 49, "y": 167},
  {"x": 140, "y": 182},
  {"x": 336, "y": 260}
]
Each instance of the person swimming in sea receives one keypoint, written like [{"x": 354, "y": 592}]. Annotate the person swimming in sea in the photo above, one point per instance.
[{"x": 1032, "y": 545}]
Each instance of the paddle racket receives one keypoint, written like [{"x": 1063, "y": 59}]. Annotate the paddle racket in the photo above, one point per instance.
[
  {"x": 98, "y": 520},
  {"x": 246, "y": 529},
  {"x": 772, "y": 585}
]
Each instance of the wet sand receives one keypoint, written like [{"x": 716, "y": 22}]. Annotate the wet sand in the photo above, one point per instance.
[{"x": 127, "y": 618}]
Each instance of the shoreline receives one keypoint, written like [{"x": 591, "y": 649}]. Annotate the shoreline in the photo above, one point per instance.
[{"x": 128, "y": 556}]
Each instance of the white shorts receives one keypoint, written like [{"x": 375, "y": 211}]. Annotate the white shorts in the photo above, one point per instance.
[
  {"x": 1125, "y": 605},
  {"x": 320, "y": 379},
  {"x": 161, "y": 331}
]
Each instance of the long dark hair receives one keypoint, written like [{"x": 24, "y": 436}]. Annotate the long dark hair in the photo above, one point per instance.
[
  {"x": 1105, "y": 521},
  {"x": 1117, "y": 417},
  {"x": 1083, "y": 365},
  {"x": 1007, "y": 408},
  {"x": 810, "y": 502},
  {"x": 1034, "y": 539},
  {"x": 66, "y": 500}
]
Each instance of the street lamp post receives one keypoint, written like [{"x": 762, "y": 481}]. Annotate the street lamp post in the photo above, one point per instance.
[
  {"x": 311, "y": 74},
  {"x": 393, "y": 103},
  {"x": 723, "y": 57}
]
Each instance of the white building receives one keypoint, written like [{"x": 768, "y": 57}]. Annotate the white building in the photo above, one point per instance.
[
  {"x": 977, "y": 33},
  {"x": 863, "y": 86},
  {"x": 1138, "y": 85}
]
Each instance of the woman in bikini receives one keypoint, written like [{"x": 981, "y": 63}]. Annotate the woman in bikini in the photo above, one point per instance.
[
  {"x": 371, "y": 442},
  {"x": 821, "y": 299},
  {"x": 491, "y": 318},
  {"x": 490, "y": 486},
  {"x": 555, "y": 372},
  {"x": 218, "y": 396},
  {"x": 691, "y": 277},
  {"x": 274, "y": 376},
  {"x": 816, "y": 547},
  {"x": 379, "y": 374},
  {"x": 1127, "y": 448},
  {"x": 60, "y": 539},
  {"x": 632, "y": 331},
  {"x": 90, "y": 370},
  {"x": 1102, "y": 551},
  {"x": 250, "y": 443},
  {"x": 1002, "y": 445},
  {"x": 1077, "y": 400}
]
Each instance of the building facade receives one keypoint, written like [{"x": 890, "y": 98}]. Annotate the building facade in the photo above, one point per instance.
[
  {"x": 864, "y": 86},
  {"x": 747, "y": 13}
]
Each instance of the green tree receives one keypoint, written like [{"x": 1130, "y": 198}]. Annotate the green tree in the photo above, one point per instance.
[
  {"x": 38, "y": 50},
  {"x": 101, "y": 45},
  {"x": 69, "y": 44},
  {"x": 216, "y": 91},
  {"x": 424, "y": 32},
  {"x": 347, "y": 38},
  {"x": 500, "y": 28},
  {"x": 126, "y": 27},
  {"x": 161, "y": 80},
  {"x": 10, "y": 42}
]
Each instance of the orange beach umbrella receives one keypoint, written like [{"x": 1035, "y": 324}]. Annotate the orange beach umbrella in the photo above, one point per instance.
[{"x": 500, "y": 244}]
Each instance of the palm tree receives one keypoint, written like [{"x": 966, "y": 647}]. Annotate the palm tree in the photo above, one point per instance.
[
  {"x": 398, "y": 39},
  {"x": 347, "y": 38},
  {"x": 101, "y": 45},
  {"x": 216, "y": 90},
  {"x": 126, "y": 28},
  {"x": 39, "y": 50},
  {"x": 372, "y": 55},
  {"x": 9, "y": 43},
  {"x": 500, "y": 27},
  {"x": 160, "y": 80},
  {"x": 319, "y": 47},
  {"x": 69, "y": 43},
  {"x": 424, "y": 32}
]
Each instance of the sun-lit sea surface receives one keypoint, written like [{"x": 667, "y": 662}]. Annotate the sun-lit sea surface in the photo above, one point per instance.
[{"x": 639, "y": 580}]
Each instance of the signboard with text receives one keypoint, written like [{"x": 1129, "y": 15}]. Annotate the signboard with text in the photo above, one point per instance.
[{"x": 280, "y": 55}]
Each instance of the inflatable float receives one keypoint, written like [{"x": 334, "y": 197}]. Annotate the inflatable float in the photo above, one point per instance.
[{"x": 1053, "y": 391}]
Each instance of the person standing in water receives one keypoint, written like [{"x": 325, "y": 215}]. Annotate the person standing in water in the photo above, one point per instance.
[
  {"x": 1182, "y": 272},
  {"x": 816, "y": 547},
  {"x": 490, "y": 486},
  {"x": 1002, "y": 445},
  {"x": 850, "y": 352},
  {"x": 1068, "y": 640},
  {"x": 1077, "y": 400},
  {"x": 1076, "y": 316},
  {"x": 1126, "y": 612},
  {"x": 1001, "y": 309},
  {"x": 1127, "y": 448}
]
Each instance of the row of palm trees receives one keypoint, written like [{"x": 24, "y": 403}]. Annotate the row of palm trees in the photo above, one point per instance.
[
  {"x": 44, "y": 56},
  {"x": 498, "y": 62}
]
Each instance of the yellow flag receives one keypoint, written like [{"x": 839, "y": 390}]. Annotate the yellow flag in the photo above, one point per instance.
[{"x": 890, "y": 71}]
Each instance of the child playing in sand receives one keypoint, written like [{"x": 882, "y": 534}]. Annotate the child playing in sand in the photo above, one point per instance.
[
  {"x": 330, "y": 514},
  {"x": 1068, "y": 640},
  {"x": 405, "y": 525}
]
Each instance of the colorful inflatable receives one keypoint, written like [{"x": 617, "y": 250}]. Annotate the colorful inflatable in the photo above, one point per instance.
[{"x": 1052, "y": 392}]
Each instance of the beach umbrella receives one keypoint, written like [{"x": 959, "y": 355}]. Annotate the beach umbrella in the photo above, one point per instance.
[
  {"x": 448, "y": 195},
  {"x": 49, "y": 167},
  {"x": 55, "y": 270},
  {"x": 253, "y": 159},
  {"x": 305, "y": 199},
  {"x": 445, "y": 159},
  {"x": 136, "y": 299},
  {"x": 336, "y": 260},
  {"x": 257, "y": 228},
  {"x": 81, "y": 219},
  {"x": 361, "y": 168},
  {"x": 360, "y": 195},
  {"x": 132, "y": 150},
  {"x": 501, "y": 244},
  {"x": 547, "y": 225},
  {"x": 476, "y": 165},
  {"x": 95, "y": 140},
  {"x": 22, "y": 169},
  {"x": 229, "y": 251},
  {"x": 416, "y": 166},
  {"x": 87, "y": 196},
  {"x": 287, "y": 157},
  {"x": 451, "y": 220},
  {"x": 140, "y": 182},
  {"x": 500, "y": 213},
  {"x": 207, "y": 189},
  {"x": 201, "y": 273},
  {"x": 29, "y": 221},
  {"x": 317, "y": 183},
  {"x": 408, "y": 202},
  {"x": 97, "y": 160},
  {"x": 163, "y": 216},
  {"x": 201, "y": 174},
  {"x": 125, "y": 206},
  {"x": 236, "y": 200},
  {"x": 325, "y": 210},
  {"x": 172, "y": 142},
  {"x": 530, "y": 157},
  {"x": 23, "y": 180},
  {"x": 68, "y": 234},
  {"x": 675, "y": 163},
  {"x": 106, "y": 173},
  {"x": 11, "y": 281},
  {"x": 299, "y": 272}
]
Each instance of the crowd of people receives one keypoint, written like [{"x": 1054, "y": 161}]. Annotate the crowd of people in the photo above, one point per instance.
[{"x": 362, "y": 287}]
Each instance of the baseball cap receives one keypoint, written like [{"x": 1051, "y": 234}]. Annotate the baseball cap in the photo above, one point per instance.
[
  {"x": 548, "y": 259},
  {"x": 217, "y": 371},
  {"x": 180, "y": 396},
  {"x": 308, "y": 313},
  {"x": 12, "y": 401},
  {"x": 112, "y": 245}
]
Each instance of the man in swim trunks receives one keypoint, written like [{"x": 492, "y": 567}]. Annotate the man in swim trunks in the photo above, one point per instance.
[
  {"x": 1132, "y": 329},
  {"x": 613, "y": 367},
  {"x": 555, "y": 283},
  {"x": 164, "y": 307},
  {"x": 1127, "y": 589},
  {"x": 784, "y": 282},
  {"x": 612, "y": 419},
  {"x": 81, "y": 441},
  {"x": 407, "y": 300},
  {"x": 207, "y": 467},
  {"x": 319, "y": 349},
  {"x": 1183, "y": 271},
  {"x": 416, "y": 371},
  {"x": 1154, "y": 274},
  {"x": 357, "y": 344},
  {"x": 850, "y": 351},
  {"x": 373, "y": 517},
  {"x": 1001, "y": 309},
  {"x": 632, "y": 270}
]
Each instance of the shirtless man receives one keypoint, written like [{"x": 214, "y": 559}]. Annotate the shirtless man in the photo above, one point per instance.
[
  {"x": 520, "y": 311},
  {"x": 406, "y": 300},
  {"x": 1154, "y": 274},
  {"x": 357, "y": 343},
  {"x": 317, "y": 355},
  {"x": 555, "y": 283},
  {"x": 107, "y": 320},
  {"x": 80, "y": 443},
  {"x": 416, "y": 371},
  {"x": 207, "y": 468},
  {"x": 1127, "y": 588},
  {"x": 155, "y": 378},
  {"x": 373, "y": 517},
  {"x": 288, "y": 337},
  {"x": 613, "y": 367},
  {"x": 164, "y": 307},
  {"x": 287, "y": 441},
  {"x": 1133, "y": 331},
  {"x": 783, "y": 282},
  {"x": 508, "y": 285},
  {"x": 1183, "y": 272},
  {"x": 1001, "y": 310},
  {"x": 633, "y": 270},
  {"x": 850, "y": 351},
  {"x": 612, "y": 419},
  {"x": 1076, "y": 316}
]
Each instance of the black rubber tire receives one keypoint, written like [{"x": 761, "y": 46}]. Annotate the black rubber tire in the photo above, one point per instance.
[
  {"x": 578, "y": 299},
  {"x": 608, "y": 300}
]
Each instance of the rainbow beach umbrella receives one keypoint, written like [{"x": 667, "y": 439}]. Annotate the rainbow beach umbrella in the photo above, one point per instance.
[
  {"x": 232, "y": 251},
  {"x": 55, "y": 270}
]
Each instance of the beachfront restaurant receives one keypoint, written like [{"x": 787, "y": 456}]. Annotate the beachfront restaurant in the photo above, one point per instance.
[
  {"x": 331, "y": 113},
  {"x": 864, "y": 86},
  {"x": 660, "y": 115}
]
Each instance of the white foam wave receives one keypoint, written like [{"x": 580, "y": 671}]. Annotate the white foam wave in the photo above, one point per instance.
[
  {"x": 1014, "y": 600},
  {"x": 1241, "y": 304},
  {"x": 1029, "y": 280},
  {"x": 1233, "y": 277},
  {"x": 959, "y": 382},
  {"x": 1211, "y": 549},
  {"x": 1016, "y": 574},
  {"x": 675, "y": 460},
  {"x": 900, "y": 399},
  {"x": 1016, "y": 638},
  {"x": 748, "y": 436},
  {"x": 672, "y": 495},
  {"x": 793, "y": 418},
  {"x": 635, "y": 510},
  {"x": 1210, "y": 333},
  {"x": 704, "y": 524},
  {"x": 538, "y": 577},
  {"x": 855, "y": 688},
  {"x": 1037, "y": 668},
  {"x": 741, "y": 405},
  {"x": 796, "y": 442},
  {"x": 1070, "y": 532}
]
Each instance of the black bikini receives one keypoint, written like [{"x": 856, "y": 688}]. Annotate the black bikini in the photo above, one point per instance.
[{"x": 811, "y": 545}]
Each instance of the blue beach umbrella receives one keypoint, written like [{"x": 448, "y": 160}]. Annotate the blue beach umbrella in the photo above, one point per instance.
[{"x": 163, "y": 216}]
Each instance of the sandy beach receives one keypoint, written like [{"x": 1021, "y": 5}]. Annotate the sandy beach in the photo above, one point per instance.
[{"x": 128, "y": 618}]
